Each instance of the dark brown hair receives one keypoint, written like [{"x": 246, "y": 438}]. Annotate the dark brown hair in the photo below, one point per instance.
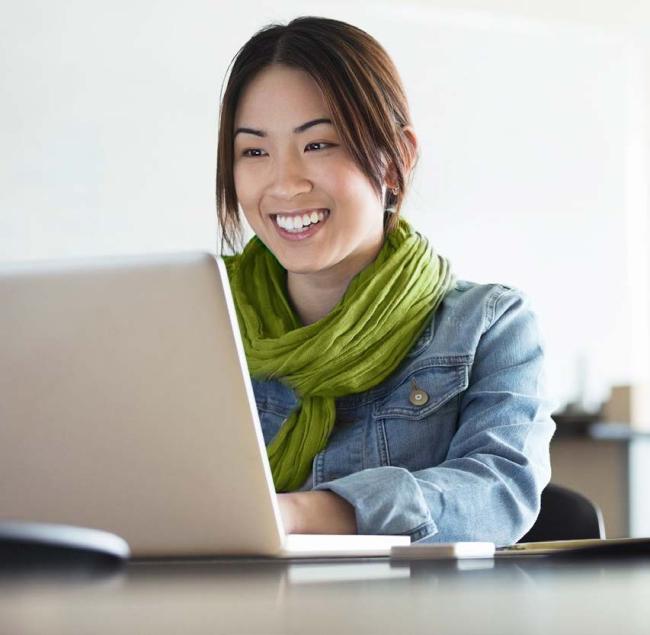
[{"x": 361, "y": 87}]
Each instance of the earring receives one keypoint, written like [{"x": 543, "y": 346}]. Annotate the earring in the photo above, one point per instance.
[
  {"x": 390, "y": 209},
  {"x": 394, "y": 191}
]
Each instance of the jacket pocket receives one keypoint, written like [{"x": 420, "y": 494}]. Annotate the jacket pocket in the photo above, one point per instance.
[{"x": 417, "y": 420}]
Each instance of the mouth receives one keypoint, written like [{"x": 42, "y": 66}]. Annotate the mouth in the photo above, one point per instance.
[{"x": 299, "y": 226}]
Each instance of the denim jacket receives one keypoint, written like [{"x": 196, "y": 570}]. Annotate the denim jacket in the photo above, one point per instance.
[{"x": 454, "y": 445}]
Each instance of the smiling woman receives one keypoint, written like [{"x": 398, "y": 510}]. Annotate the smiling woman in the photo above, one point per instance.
[{"x": 393, "y": 399}]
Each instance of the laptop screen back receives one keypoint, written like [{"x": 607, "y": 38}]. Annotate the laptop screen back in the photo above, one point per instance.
[{"x": 125, "y": 405}]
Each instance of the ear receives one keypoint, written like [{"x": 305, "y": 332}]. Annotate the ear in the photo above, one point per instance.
[{"x": 412, "y": 144}]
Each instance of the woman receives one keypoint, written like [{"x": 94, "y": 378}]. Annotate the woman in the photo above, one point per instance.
[{"x": 393, "y": 399}]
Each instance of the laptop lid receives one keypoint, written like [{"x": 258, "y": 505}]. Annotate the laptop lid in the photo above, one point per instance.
[{"x": 126, "y": 405}]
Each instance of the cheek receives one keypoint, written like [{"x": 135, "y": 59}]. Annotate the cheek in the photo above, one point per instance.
[
  {"x": 245, "y": 185},
  {"x": 350, "y": 185}
]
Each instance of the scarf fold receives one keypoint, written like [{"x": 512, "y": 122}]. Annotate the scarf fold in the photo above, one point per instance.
[{"x": 352, "y": 349}]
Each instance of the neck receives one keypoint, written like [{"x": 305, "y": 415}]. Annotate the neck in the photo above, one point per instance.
[{"x": 314, "y": 295}]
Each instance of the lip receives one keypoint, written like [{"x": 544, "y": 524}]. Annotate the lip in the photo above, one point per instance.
[{"x": 308, "y": 232}]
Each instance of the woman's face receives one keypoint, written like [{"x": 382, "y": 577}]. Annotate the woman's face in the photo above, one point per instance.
[{"x": 290, "y": 169}]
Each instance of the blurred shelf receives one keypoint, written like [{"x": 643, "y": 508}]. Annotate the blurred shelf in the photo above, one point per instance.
[{"x": 592, "y": 426}]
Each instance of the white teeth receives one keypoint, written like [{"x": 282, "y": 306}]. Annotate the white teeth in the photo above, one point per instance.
[{"x": 297, "y": 223}]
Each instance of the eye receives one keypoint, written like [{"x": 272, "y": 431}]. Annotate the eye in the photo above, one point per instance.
[
  {"x": 252, "y": 156},
  {"x": 319, "y": 143}
]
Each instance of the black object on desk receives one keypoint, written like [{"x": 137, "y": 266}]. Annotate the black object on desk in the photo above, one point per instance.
[{"x": 29, "y": 545}]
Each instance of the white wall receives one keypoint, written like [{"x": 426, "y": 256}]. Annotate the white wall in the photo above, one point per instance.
[{"x": 532, "y": 125}]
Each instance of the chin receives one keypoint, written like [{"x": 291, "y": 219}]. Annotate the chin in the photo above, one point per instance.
[
  {"x": 299, "y": 265},
  {"x": 297, "y": 268}
]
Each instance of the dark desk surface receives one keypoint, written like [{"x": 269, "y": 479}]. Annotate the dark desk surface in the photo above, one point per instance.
[{"x": 518, "y": 596}]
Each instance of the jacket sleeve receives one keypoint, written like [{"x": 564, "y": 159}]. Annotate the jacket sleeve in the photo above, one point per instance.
[{"x": 489, "y": 485}]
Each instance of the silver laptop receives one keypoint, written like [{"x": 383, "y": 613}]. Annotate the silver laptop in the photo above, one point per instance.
[{"x": 126, "y": 405}]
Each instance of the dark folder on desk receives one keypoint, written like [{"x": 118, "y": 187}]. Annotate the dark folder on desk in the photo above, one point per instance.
[{"x": 592, "y": 547}]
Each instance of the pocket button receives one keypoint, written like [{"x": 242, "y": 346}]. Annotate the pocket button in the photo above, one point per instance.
[{"x": 417, "y": 397}]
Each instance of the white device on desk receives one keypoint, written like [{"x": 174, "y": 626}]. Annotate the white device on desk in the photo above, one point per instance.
[
  {"x": 443, "y": 551},
  {"x": 126, "y": 405}
]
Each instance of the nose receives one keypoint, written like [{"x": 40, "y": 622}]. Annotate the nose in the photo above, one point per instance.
[{"x": 289, "y": 178}]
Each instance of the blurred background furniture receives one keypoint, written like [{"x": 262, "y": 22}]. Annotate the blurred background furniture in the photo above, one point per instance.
[
  {"x": 609, "y": 463},
  {"x": 566, "y": 515}
]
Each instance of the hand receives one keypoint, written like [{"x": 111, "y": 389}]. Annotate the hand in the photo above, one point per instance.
[{"x": 316, "y": 512}]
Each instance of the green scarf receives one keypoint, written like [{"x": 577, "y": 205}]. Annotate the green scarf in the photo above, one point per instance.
[{"x": 355, "y": 347}]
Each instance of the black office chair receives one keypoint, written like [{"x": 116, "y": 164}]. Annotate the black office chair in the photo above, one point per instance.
[{"x": 566, "y": 515}]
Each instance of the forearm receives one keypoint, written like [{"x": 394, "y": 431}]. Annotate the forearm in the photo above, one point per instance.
[
  {"x": 464, "y": 500},
  {"x": 317, "y": 512}
]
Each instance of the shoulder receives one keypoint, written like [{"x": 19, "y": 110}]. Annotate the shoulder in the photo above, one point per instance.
[
  {"x": 483, "y": 304},
  {"x": 472, "y": 312}
]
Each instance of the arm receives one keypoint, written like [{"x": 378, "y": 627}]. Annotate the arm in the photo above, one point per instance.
[
  {"x": 316, "y": 512},
  {"x": 489, "y": 486}
]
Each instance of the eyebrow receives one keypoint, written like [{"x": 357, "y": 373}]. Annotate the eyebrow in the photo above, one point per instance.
[{"x": 298, "y": 130}]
